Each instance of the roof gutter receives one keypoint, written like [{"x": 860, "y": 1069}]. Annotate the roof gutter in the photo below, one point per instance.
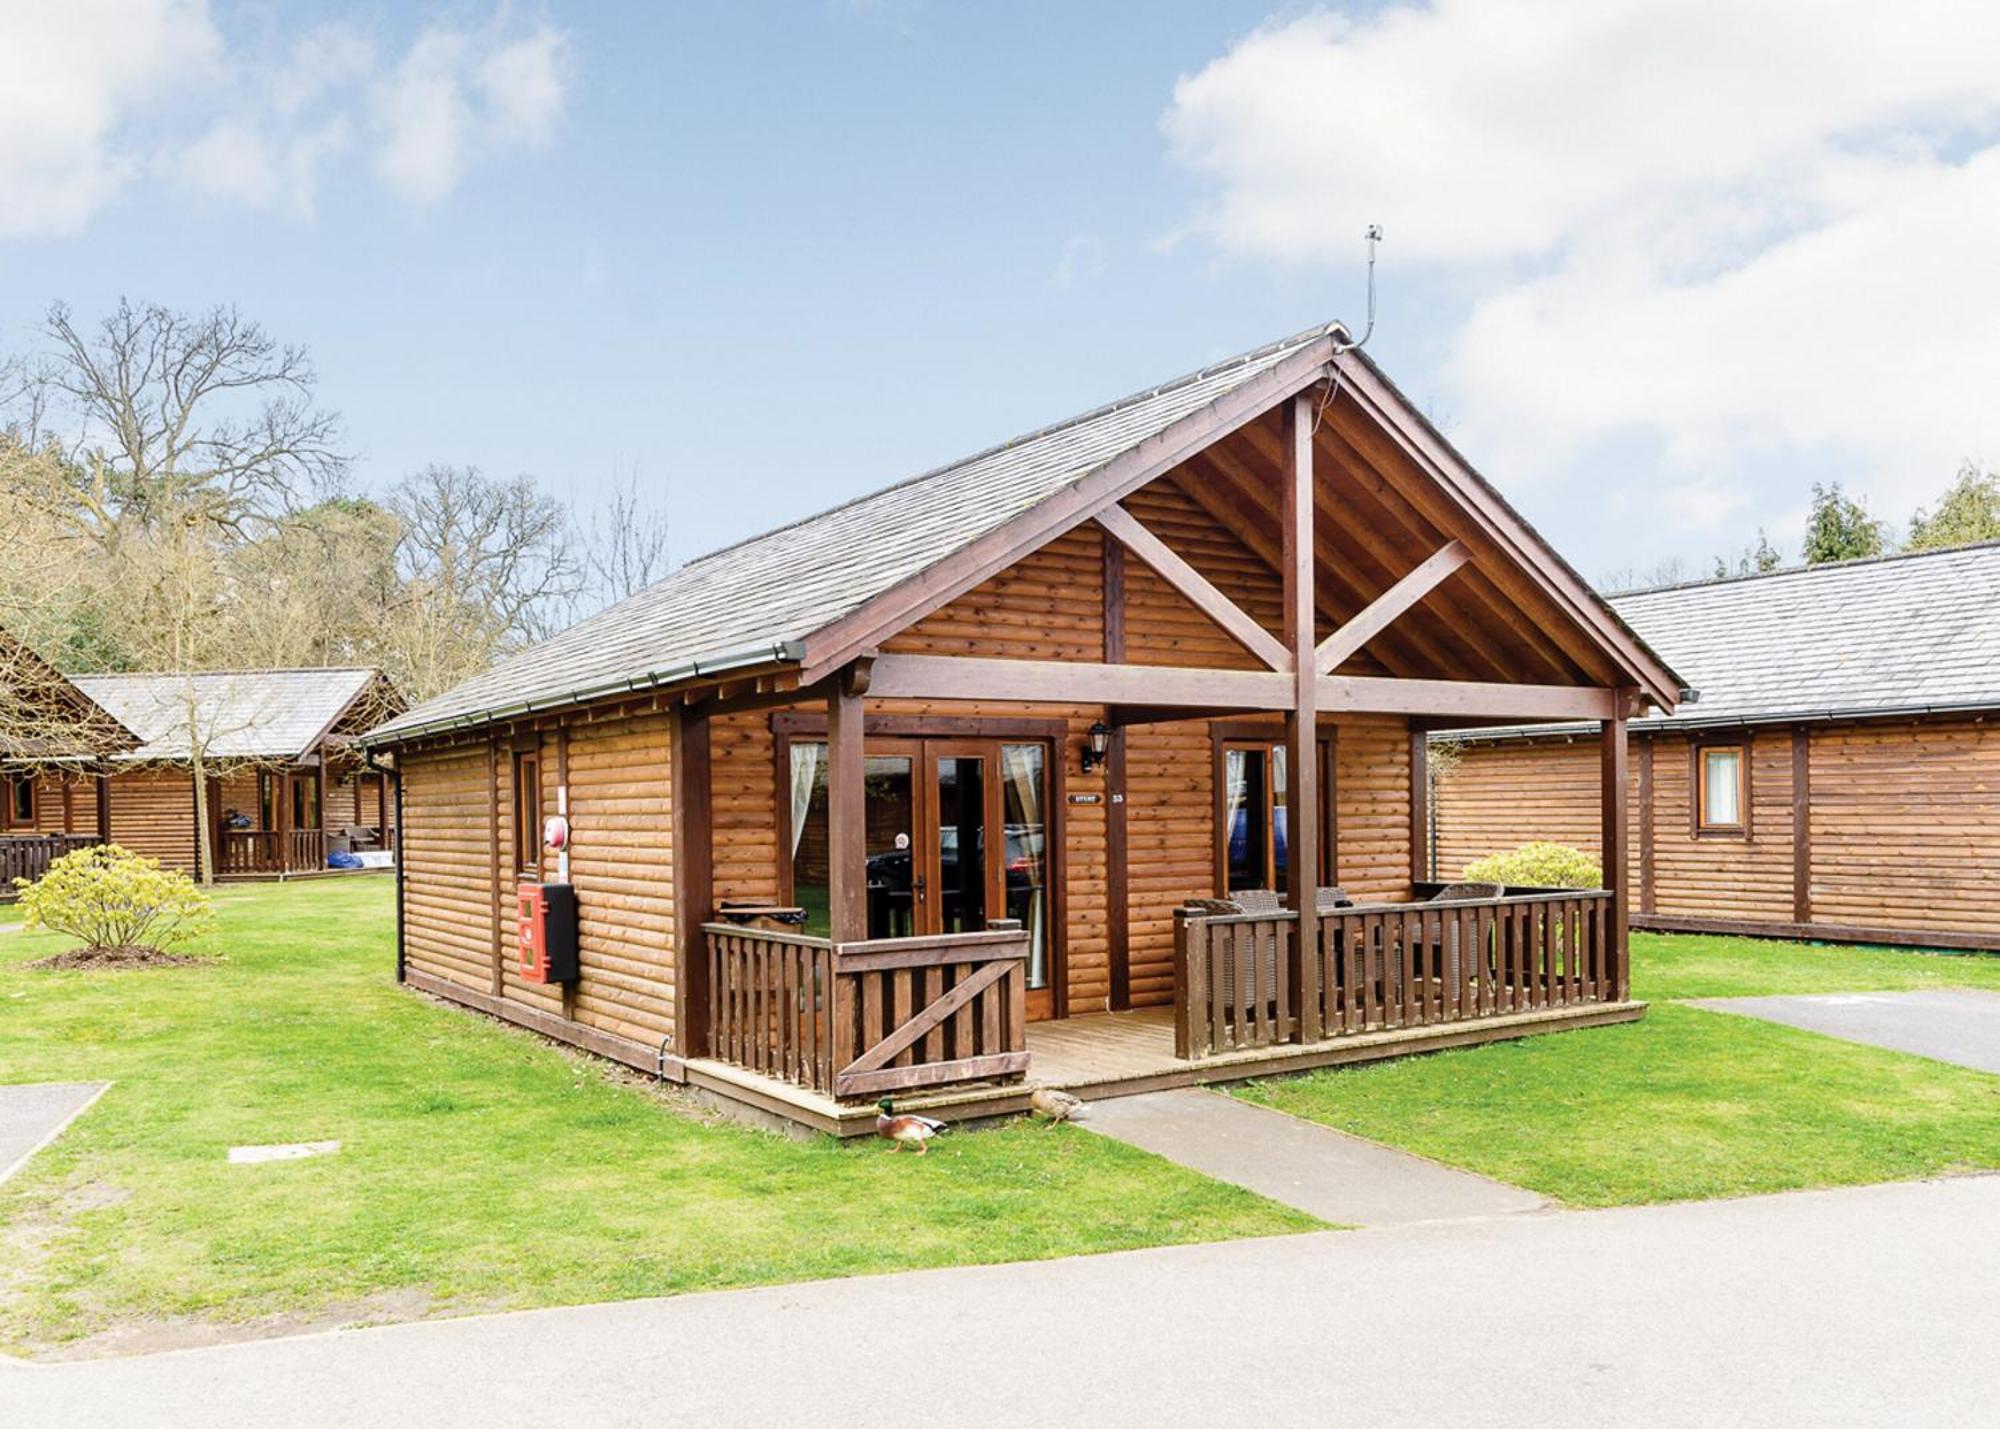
[{"x": 789, "y": 652}]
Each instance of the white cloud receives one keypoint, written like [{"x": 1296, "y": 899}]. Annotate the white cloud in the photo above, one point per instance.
[
  {"x": 459, "y": 94},
  {"x": 95, "y": 94},
  {"x": 70, "y": 75},
  {"x": 1733, "y": 235}
]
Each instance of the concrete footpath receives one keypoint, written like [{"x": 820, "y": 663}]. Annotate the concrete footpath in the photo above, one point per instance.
[
  {"x": 32, "y": 1114},
  {"x": 1344, "y": 1180},
  {"x": 1960, "y": 1025},
  {"x": 1856, "y": 1307}
]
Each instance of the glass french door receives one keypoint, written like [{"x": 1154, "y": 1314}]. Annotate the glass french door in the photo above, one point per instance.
[{"x": 956, "y": 837}]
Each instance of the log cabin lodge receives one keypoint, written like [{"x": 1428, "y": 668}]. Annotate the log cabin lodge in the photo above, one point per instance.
[
  {"x": 1837, "y": 779},
  {"x": 286, "y": 784},
  {"x": 996, "y": 777}
]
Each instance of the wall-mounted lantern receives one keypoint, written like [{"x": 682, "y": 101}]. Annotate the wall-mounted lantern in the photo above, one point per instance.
[{"x": 1099, "y": 741}]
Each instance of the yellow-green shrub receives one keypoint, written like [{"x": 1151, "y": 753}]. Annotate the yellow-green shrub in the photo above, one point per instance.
[
  {"x": 1540, "y": 864},
  {"x": 110, "y": 897}
]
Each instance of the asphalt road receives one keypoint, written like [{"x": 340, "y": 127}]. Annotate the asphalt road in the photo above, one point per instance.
[
  {"x": 1865, "y": 1307},
  {"x": 1959, "y": 1025}
]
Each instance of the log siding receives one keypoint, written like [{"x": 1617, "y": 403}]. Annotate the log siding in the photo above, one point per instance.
[{"x": 1866, "y": 830}]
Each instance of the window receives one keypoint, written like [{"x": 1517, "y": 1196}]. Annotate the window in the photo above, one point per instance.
[
  {"x": 21, "y": 803},
  {"x": 1252, "y": 814},
  {"x": 305, "y": 803},
  {"x": 1722, "y": 776},
  {"x": 528, "y": 812},
  {"x": 267, "y": 801}
]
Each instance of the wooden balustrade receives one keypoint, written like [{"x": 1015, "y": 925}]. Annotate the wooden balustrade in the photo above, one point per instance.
[
  {"x": 861, "y": 1019},
  {"x": 1232, "y": 973},
  {"x": 271, "y": 851},
  {"x": 1390, "y": 965},
  {"x": 29, "y": 856}
]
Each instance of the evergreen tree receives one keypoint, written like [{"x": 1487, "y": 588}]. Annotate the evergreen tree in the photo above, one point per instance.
[
  {"x": 1968, "y": 512},
  {"x": 1840, "y": 528}
]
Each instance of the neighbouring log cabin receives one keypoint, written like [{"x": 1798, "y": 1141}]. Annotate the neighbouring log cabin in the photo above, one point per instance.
[
  {"x": 1837, "y": 779},
  {"x": 54, "y": 740},
  {"x": 286, "y": 786},
  {"x": 1000, "y": 775}
]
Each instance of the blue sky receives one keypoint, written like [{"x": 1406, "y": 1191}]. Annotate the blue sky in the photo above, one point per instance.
[{"x": 768, "y": 256}]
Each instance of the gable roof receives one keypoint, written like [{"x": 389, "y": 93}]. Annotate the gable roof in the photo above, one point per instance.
[
  {"x": 761, "y": 601},
  {"x": 1911, "y": 634},
  {"x": 247, "y": 714},
  {"x": 44, "y": 716}
]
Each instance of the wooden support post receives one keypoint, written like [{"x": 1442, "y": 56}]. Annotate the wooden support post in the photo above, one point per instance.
[
  {"x": 1648, "y": 863},
  {"x": 846, "y": 824},
  {"x": 1301, "y": 723},
  {"x": 1117, "y": 894},
  {"x": 694, "y": 881},
  {"x": 1420, "y": 806},
  {"x": 1612, "y": 804},
  {"x": 1801, "y": 824},
  {"x": 104, "y": 808},
  {"x": 319, "y": 809}
]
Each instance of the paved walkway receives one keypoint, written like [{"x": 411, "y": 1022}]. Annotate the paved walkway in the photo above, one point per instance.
[
  {"x": 1948, "y": 1024},
  {"x": 1858, "y": 1307},
  {"x": 1342, "y": 1179},
  {"x": 33, "y": 1114}
]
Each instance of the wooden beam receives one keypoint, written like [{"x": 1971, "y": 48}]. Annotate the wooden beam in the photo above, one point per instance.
[
  {"x": 1337, "y": 648},
  {"x": 1176, "y": 572},
  {"x": 1118, "y": 887},
  {"x": 1467, "y": 698},
  {"x": 1648, "y": 862},
  {"x": 987, "y": 555},
  {"x": 1801, "y": 823},
  {"x": 694, "y": 878},
  {"x": 946, "y": 677},
  {"x": 1613, "y": 773},
  {"x": 1302, "y": 828},
  {"x": 1376, "y": 397},
  {"x": 846, "y": 824}
]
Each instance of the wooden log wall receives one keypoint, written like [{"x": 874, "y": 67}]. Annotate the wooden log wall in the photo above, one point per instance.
[
  {"x": 65, "y": 804},
  {"x": 152, "y": 813},
  {"x": 462, "y": 870},
  {"x": 1902, "y": 820}
]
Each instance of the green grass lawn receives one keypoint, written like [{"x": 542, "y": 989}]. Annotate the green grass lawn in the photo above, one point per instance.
[
  {"x": 481, "y": 1167},
  {"x": 1685, "y": 1104}
]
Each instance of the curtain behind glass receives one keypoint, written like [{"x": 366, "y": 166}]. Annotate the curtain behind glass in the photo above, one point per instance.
[
  {"x": 806, "y": 759},
  {"x": 1026, "y": 844}
]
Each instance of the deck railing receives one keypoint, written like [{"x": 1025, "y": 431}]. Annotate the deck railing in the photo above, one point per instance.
[
  {"x": 271, "y": 851},
  {"x": 29, "y": 856},
  {"x": 1390, "y": 965},
  {"x": 865, "y": 1018},
  {"x": 1232, "y": 976}
]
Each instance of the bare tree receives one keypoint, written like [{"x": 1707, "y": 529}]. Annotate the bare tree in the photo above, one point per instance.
[
  {"x": 484, "y": 565},
  {"x": 625, "y": 546},
  {"x": 182, "y": 417}
]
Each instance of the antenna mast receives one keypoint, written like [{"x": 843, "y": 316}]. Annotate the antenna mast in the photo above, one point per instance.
[{"x": 1374, "y": 236}]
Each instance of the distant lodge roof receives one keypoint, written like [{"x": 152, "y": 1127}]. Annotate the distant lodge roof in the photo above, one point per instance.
[
  {"x": 760, "y": 602},
  {"x": 238, "y": 714},
  {"x": 1910, "y": 634}
]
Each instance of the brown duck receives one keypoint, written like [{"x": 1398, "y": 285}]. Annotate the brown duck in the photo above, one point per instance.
[{"x": 906, "y": 1129}]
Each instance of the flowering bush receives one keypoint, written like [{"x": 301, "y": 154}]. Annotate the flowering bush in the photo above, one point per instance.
[
  {"x": 1538, "y": 865},
  {"x": 115, "y": 900}
]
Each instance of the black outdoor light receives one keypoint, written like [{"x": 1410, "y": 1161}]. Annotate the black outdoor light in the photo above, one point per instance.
[{"x": 1093, "y": 752}]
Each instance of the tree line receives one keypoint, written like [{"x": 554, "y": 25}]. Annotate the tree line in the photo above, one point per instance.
[
  {"x": 1840, "y": 527},
  {"x": 172, "y": 497}
]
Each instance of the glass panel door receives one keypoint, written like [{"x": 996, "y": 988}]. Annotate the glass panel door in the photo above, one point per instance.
[
  {"x": 895, "y": 898},
  {"x": 961, "y": 843},
  {"x": 1023, "y": 773}
]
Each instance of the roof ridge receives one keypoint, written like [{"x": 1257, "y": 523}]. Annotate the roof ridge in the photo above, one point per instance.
[
  {"x": 1241, "y": 359},
  {"x": 1819, "y": 568}
]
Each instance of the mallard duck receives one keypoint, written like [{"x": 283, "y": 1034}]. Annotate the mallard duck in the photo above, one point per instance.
[
  {"x": 1056, "y": 1105},
  {"x": 906, "y": 1129}
]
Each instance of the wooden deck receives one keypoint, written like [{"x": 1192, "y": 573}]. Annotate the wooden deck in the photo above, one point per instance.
[{"x": 1118, "y": 1054}]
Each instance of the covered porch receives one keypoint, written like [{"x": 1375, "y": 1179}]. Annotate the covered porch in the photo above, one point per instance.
[{"x": 1270, "y": 621}]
